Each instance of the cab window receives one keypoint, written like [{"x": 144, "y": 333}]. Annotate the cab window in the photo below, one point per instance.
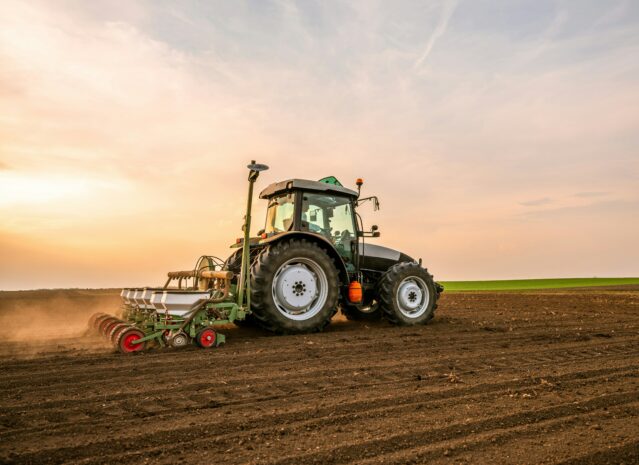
[
  {"x": 331, "y": 216},
  {"x": 280, "y": 213}
]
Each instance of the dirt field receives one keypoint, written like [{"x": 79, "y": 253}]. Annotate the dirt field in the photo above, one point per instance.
[{"x": 536, "y": 377}]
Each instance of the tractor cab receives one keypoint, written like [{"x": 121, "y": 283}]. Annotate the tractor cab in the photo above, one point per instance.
[{"x": 324, "y": 208}]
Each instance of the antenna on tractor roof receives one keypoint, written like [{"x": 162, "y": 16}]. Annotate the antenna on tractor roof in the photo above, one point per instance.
[{"x": 244, "y": 283}]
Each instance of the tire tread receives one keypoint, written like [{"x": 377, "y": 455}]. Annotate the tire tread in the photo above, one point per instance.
[
  {"x": 262, "y": 270},
  {"x": 387, "y": 295}
]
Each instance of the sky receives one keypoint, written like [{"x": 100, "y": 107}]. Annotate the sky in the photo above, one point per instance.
[{"x": 502, "y": 137}]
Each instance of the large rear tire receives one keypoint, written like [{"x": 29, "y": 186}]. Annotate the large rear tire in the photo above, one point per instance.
[
  {"x": 294, "y": 288},
  {"x": 408, "y": 295}
]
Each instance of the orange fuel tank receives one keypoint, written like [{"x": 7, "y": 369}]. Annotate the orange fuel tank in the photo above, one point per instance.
[{"x": 355, "y": 292}]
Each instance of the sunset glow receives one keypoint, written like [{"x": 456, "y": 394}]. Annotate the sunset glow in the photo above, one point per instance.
[{"x": 503, "y": 142}]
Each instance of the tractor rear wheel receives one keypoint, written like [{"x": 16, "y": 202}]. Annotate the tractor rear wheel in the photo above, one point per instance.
[
  {"x": 408, "y": 294},
  {"x": 294, "y": 287}
]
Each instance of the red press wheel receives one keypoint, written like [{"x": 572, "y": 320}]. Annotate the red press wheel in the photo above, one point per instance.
[
  {"x": 93, "y": 318},
  {"x": 104, "y": 323},
  {"x": 110, "y": 326},
  {"x": 98, "y": 320},
  {"x": 115, "y": 331},
  {"x": 205, "y": 338},
  {"x": 126, "y": 341}
]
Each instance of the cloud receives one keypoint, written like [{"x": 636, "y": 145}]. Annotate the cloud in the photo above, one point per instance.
[
  {"x": 589, "y": 194},
  {"x": 536, "y": 202},
  {"x": 448, "y": 8},
  {"x": 593, "y": 212}
]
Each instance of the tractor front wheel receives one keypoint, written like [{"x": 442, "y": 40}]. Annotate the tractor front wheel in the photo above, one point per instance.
[{"x": 408, "y": 294}]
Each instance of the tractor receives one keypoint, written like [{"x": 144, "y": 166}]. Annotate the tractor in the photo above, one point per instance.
[{"x": 312, "y": 258}]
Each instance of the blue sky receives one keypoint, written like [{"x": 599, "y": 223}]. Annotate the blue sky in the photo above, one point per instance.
[{"x": 502, "y": 137}]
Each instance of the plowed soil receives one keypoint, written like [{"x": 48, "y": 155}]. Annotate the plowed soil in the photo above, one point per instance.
[{"x": 534, "y": 377}]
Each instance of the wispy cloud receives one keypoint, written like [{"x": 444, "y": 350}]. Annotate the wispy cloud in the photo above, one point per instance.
[
  {"x": 591, "y": 211},
  {"x": 536, "y": 202},
  {"x": 448, "y": 8},
  {"x": 589, "y": 194}
]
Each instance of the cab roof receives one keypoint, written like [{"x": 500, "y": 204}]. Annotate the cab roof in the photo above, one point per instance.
[{"x": 303, "y": 184}]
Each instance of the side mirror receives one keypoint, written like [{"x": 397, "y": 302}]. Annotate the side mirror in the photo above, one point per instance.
[{"x": 374, "y": 232}]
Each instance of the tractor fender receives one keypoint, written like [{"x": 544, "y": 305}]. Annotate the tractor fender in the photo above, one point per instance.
[{"x": 319, "y": 240}]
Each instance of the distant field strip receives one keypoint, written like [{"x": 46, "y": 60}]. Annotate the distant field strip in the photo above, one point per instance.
[{"x": 524, "y": 284}]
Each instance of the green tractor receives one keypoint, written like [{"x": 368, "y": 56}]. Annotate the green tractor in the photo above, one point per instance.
[{"x": 311, "y": 259}]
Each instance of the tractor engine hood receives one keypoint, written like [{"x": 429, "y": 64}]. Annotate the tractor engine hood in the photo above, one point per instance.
[{"x": 379, "y": 258}]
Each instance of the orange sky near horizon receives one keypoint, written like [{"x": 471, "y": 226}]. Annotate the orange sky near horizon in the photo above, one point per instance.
[{"x": 125, "y": 130}]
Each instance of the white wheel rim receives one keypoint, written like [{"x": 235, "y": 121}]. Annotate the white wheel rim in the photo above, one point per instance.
[
  {"x": 179, "y": 340},
  {"x": 412, "y": 297},
  {"x": 300, "y": 289}
]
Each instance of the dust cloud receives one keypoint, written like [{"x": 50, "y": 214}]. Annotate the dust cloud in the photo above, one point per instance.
[{"x": 52, "y": 319}]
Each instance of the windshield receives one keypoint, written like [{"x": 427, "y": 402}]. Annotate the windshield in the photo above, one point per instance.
[{"x": 279, "y": 216}]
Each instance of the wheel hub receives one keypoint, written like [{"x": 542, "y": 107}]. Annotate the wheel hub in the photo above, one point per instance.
[
  {"x": 179, "y": 340},
  {"x": 300, "y": 288},
  {"x": 413, "y": 297},
  {"x": 296, "y": 287},
  {"x": 410, "y": 295}
]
